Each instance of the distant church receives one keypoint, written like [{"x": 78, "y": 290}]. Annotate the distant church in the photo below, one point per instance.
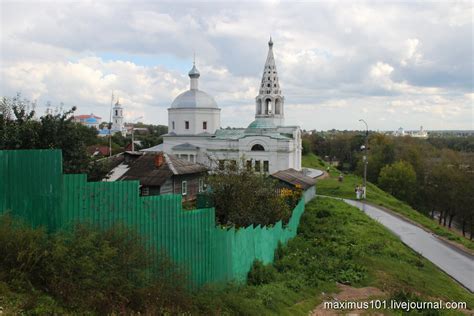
[{"x": 266, "y": 145}]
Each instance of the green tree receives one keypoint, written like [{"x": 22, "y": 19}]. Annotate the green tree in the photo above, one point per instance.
[
  {"x": 242, "y": 198},
  {"x": 19, "y": 129},
  {"x": 399, "y": 179}
]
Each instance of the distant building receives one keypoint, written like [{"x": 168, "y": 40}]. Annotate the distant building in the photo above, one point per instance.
[
  {"x": 419, "y": 134},
  {"x": 88, "y": 120},
  {"x": 117, "y": 122}
]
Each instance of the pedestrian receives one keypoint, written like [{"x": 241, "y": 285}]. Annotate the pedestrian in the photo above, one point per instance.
[{"x": 357, "y": 192}]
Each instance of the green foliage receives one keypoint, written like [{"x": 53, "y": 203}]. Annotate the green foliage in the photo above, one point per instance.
[
  {"x": 242, "y": 198},
  {"x": 399, "y": 179},
  {"x": 261, "y": 274},
  {"x": 87, "y": 269},
  {"x": 20, "y": 130}
]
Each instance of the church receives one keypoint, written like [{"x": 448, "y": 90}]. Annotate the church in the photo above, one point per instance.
[{"x": 266, "y": 145}]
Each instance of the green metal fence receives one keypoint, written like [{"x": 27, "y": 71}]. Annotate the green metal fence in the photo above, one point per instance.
[{"x": 32, "y": 186}]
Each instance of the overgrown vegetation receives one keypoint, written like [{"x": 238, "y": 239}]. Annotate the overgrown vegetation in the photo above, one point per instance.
[
  {"x": 242, "y": 198},
  {"x": 335, "y": 243},
  {"x": 84, "y": 270}
]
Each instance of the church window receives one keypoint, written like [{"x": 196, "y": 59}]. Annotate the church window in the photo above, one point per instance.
[
  {"x": 184, "y": 187},
  {"x": 274, "y": 85},
  {"x": 233, "y": 165},
  {"x": 268, "y": 85},
  {"x": 186, "y": 124},
  {"x": 172, "y": 124},
  {"x": 257, "y": 147},
  {"x": 268, "y": 78},
  {"x": 116, "y": 112},
  {"x": 204, "y": 125},
  {"x": 257, "y": 165},
  {"x": 265, "y": 166},
  {"x": 249, "y": 165}
]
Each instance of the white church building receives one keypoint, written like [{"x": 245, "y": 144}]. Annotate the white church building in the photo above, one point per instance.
[{"x": 266, "y": 145}]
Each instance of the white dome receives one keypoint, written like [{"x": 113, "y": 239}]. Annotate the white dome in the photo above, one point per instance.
[{"x": 194, "y": 99}]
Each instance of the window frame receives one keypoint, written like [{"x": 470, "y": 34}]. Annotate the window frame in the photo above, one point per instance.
[{"x": 184, "y": 187}]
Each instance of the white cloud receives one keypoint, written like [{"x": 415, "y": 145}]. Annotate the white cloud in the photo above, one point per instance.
[{"x": 336, "y": 61}]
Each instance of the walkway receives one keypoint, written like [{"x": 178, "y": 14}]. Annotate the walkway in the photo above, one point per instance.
[{"x": 456, "y": 263}]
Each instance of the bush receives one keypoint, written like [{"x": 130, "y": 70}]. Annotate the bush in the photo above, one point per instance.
[
  {"x": 261, "y": 274},
  {"x": 102, "y": 271}
]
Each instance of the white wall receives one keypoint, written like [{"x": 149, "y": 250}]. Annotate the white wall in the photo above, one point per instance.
[{"x": 195, "y": 117}]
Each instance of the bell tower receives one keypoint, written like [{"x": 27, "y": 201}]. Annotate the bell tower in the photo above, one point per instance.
[{"x": 269, "y": 102}]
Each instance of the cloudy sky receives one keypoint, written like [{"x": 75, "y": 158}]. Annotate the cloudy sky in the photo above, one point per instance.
[{"x": 396, "y": 64}]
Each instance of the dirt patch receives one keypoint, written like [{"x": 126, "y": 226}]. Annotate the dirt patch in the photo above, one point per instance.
[{"x": 351, "y": 294}]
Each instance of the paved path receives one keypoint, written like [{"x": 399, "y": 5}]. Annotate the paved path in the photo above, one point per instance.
[{"x": 456, "y": 263}]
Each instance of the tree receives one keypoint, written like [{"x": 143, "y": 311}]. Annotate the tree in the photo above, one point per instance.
[
  {"x": 19, "y": 129},
  {"x": 399, "y": 179},
  {"x": 242, "y": 198}
]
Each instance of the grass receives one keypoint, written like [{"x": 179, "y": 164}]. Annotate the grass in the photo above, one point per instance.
[
  {"x": 337, "y": 243},
  {"x": 332, "y": 187}
]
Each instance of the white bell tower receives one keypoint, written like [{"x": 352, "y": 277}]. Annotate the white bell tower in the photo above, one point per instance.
[
  {"x": 269, "y": 102},
  {"x": 117, "y": 117}
]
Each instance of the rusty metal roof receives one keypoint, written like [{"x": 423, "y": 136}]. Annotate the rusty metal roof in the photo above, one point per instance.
[
  {"x": 294, "y": 177},
  {"x": 145, "y": 170}
]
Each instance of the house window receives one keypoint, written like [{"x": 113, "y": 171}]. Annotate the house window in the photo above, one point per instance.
[
  {"x": 201, "y": 185},
  {"x": 257, "y": 165},
  {"x": 145, "y": 191},
  {"x": 249, "y": 165},
  {"x": 265, "y": 166},
  {"x": 186, "y": 124},
  {"x": 221, "y": 164},
  {"x": 204, "y": 125},
  {"x": 173, "y": 125},
  {"x": 184, "y": 187}
]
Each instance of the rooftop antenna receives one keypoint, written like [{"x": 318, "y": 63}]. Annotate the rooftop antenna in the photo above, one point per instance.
[{"x": 110, "y": 124}]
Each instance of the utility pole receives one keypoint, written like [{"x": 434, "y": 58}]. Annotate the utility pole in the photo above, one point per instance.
[
  {"x": 365, "y": 158},
  {"x": 110, "y": 124}
]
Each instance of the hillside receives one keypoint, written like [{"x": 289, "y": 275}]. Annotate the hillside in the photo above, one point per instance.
[{"x": 332, "y": 187}]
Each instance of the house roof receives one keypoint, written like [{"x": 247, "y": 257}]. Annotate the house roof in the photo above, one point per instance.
[
  {"x": 295, "y": 178},
  {"x": 144, "y": 169}
]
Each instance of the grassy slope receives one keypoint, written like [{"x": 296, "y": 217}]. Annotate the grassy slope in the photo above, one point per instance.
[
  {"x": 331, "y": 186},
  {"x": 337, "y": 243}
]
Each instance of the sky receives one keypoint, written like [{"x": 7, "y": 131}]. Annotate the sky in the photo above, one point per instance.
[{"x": 393, "y": 64}]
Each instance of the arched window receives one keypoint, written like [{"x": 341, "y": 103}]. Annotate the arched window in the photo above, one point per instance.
[
  {"x": 258, "y": 147},
  {"x": 268, "y": 106},
  {"x": 277, "y": 106}
]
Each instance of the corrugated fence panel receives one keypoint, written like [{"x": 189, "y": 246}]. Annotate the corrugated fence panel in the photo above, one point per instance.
[{"x": 32, "y": 186}]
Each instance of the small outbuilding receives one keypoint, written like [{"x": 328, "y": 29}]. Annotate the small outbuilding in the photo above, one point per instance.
[
  {"x": 160, "y": 173},
  {"x": 294, "y": 179}
]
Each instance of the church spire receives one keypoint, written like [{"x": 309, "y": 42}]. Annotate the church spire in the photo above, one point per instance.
[{"x": 269, "y": 100}]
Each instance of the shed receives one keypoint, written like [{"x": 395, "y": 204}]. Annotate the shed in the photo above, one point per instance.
[{"x": 296, "y": 179}]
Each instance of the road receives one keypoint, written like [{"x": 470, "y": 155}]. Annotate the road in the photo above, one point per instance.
[{"x": 456, "y": 263}]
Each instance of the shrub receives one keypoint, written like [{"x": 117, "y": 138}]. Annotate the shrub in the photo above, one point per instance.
[
  {"x": 89, "y": 269},
  {"x": 261, "y": 274}
]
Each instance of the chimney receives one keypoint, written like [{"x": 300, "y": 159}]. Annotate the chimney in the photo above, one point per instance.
[{"x": 159, "y": 159}]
